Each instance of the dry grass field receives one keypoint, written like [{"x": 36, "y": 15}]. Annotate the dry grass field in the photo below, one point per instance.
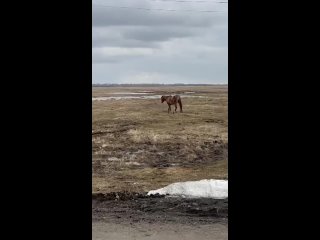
[{"x": 137, "y": 146}]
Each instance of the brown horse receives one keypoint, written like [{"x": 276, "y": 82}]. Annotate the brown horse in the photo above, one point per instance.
[{"x": 172, "y": 100}]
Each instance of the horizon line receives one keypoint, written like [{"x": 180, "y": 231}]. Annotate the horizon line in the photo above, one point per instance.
[{"x": 159, "y": 83}]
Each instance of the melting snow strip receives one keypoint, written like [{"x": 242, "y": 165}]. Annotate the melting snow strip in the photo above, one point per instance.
[{"x": 217, "y": 189}]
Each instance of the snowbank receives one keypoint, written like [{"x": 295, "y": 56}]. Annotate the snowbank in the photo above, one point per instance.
[{"x": 211, "y": 188}]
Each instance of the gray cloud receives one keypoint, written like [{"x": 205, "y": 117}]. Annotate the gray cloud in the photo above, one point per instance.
[
  {"x": 115, "y": 17},
  {"x": 145, "y": 36},
  {"x": 156, "y": 46},
  {"x": 115, "y": 37},
  {"x": 157, "y": 34}
]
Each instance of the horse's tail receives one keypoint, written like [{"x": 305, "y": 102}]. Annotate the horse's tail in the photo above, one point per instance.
[{"x": 180, "y": 104}]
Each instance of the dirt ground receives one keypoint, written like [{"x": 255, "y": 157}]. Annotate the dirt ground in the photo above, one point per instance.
[
  {"x": 141, "y": 231},
  {"x": 136, "y": 216},
  {"x": 137, "y": 147}
]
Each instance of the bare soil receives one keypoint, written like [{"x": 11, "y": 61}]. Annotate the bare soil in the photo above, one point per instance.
[{"x": 127, "y": 215}]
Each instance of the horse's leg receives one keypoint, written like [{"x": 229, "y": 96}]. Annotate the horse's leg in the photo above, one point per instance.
[
  {"x": 180, "y": 103},
  {"x": 169, "y": 108},
  {"x": 175, "y": 107}
]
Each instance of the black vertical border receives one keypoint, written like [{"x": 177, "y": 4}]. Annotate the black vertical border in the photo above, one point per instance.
[{"x": 49, "y": 174}]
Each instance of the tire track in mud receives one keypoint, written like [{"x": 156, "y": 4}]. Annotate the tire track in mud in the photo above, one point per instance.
[{"x": 138, "y": 207}]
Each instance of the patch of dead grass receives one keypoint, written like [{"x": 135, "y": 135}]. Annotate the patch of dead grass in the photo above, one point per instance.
[{"x": 141, "y": 134}]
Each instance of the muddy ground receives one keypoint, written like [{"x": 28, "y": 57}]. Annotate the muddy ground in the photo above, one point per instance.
[
  {"x": 139, "y": 207},
  {"x": 137, "y": 216}
]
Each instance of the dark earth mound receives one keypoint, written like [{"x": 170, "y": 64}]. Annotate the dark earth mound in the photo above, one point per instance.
[{"x": 137, "y": 207}]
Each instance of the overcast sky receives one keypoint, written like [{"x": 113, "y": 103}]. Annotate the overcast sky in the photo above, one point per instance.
[{"x": 132, "y": 45}]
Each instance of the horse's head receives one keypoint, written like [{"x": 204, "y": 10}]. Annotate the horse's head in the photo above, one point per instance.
[{"x": 163, "y": 99}]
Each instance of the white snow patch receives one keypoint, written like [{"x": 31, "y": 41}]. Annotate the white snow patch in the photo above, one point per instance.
[
  {"x": 211, "y": 188},
  {"x": 129, "y": 93},
  {"x": 145, "y": 92},
  {"x": 112, "y": 159},
  {"x": 113, "y": 98},
  {"x": 133, "y": 163}
]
